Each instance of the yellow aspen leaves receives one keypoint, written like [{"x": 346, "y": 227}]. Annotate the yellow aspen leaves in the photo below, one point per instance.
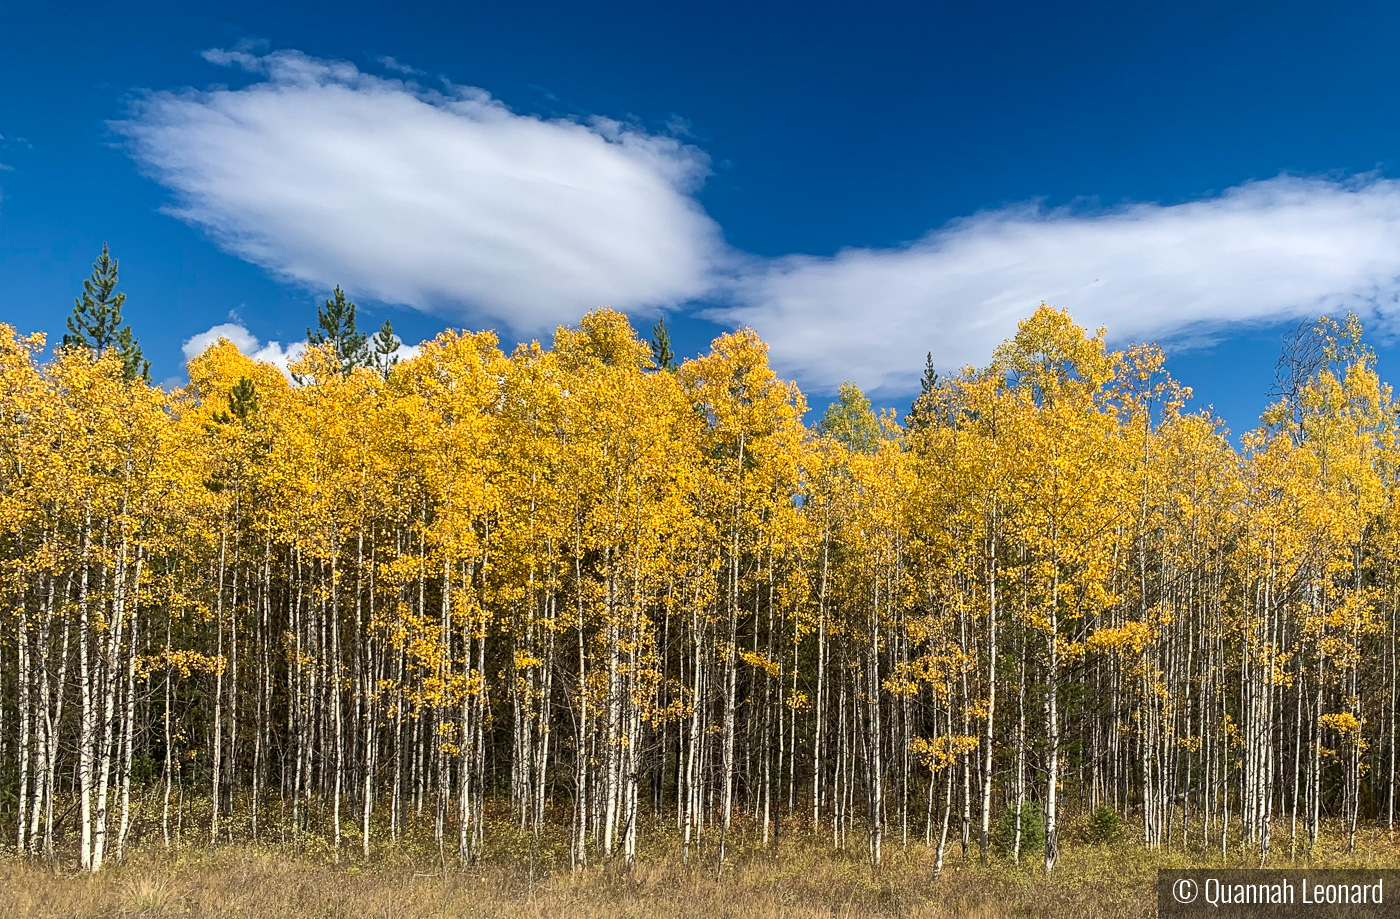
[{"x": 630, "y": 599}]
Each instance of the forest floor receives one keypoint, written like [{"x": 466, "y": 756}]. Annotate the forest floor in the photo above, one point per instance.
[{"x": 805, "y": 880}]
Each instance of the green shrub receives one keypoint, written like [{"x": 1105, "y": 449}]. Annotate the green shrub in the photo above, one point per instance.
[
  {"x": 1105, "y": 826},
  {"x": 1032, "y": 830}
]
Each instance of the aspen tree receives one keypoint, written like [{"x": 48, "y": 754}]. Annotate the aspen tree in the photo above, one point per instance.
[{"x": 368, "y": 600}]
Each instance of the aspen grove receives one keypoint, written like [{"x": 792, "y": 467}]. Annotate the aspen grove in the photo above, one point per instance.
[{"x": 578, "y": 591}]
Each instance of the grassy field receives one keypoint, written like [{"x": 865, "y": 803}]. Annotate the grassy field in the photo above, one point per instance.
[{"x": 806, "y": 880}]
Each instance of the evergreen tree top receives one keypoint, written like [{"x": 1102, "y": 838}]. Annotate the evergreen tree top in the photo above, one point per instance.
[
  {"x": 385, "y": 343},
  {"x": 921, "y": 412},
  {"x": 335, "y": 323},
  {"x": 96, "y": 322},
  {"x": 661, "y": 346}
]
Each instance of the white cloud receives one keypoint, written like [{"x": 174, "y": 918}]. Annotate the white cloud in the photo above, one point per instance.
[
  {"x": 397, "y": 66},
  {"x": 246, "y": 342},
  {"x": 445, "y": 200},
  {"x": 441, "y": 199},
  {"x": 272, "y": 352},
  {"x": 1268, "y": 250}
]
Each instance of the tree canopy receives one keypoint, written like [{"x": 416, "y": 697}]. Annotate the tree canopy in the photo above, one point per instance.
[{"x": 468, "y": 594}]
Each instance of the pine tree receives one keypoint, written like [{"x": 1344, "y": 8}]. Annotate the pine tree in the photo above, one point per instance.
[
  {"x": 929, "y": 382},
  {"x": 336, "y": 328},
  {"x": 385, "y": 344},
  {"x": 96, "y": 323},
  {"x": 661, "y": 346},
  {"x": 921, "y": 412},
  {"x": 242, "y": 403}
]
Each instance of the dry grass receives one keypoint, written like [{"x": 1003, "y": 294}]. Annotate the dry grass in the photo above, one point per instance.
[
  {"x": 808, "y": 880},
  {"x": 247, "y": 881}
]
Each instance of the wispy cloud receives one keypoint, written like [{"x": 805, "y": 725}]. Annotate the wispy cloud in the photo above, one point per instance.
[
  {"x": 1267, "y": 250},
  {"x": 390, "y": 63},
  {"x": 438, "y": 198}
]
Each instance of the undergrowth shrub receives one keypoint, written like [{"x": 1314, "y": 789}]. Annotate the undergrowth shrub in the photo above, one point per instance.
[
  {"x": 1105, "y": 826},
  {"x": 1032, "y": 830}
]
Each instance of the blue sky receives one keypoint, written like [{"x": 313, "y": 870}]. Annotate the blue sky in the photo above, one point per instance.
[{"x": 861, "y": 184}]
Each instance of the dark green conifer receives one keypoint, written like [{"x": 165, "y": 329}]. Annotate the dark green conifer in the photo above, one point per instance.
[
  {"x": 242, "y": 403},
  {"x": 922, "y": 412},
  {"x": 96, "y": 323},
  {"x": 336, "y": 327},
  {"x": 661, "y": 346},
  {"x": 385, "y": 343}
]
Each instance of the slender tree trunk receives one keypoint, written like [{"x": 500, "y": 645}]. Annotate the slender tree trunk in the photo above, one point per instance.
[
  {"x": 989, "y": 736},
  {"x": 216, "y": 741},
  {"x": 129, "y": 716},
  {"x": 87, "y": 743}
]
